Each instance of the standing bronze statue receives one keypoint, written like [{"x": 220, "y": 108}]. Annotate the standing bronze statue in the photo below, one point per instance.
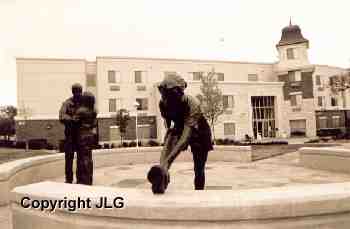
[
  {"x": 71, "y": 131},
  {"x": 185, "y": 125},
  {"x": 86, "y": 116}
]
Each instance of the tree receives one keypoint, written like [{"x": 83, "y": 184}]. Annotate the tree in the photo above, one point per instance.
[
  {"x": 122, "y": 119},
  {"x": 339, "y": 84},
  {"x": 7, "y": 121},
  {"x": 211, "y": 99},
  {"x": 25, "y": 112}
]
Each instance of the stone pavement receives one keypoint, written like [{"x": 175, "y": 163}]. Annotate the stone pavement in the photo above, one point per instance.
[{"x": 274, "y": 172}]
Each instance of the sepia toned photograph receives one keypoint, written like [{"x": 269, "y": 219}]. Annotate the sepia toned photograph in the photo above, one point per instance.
[{"x": 174, "y": 114}]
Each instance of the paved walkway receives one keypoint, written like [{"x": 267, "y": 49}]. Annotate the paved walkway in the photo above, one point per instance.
[
  {"x": 5, "y": 218},
  {"x": 278, "y": 171}
]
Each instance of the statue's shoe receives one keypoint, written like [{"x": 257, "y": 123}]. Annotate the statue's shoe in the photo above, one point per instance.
[{"x": 159, "y": 178}]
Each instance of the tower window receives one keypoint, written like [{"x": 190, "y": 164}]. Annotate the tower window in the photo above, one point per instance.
[
  {"x": 290, "y": 54},
  {"x": 291, "y": 76}
]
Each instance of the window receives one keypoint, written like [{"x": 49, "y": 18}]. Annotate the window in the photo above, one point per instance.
[
  {"x": 290, "y": 54},
  {"x": 336, "y": 121},
  {"x": 144, "y": 131},
  {"x": 114, "y": 88},
  {"x": 197, "y": 76},
  {"x": 320, "y": 101},
  {"x": 295, "y": 100},
  {"x": 112, "y": 105},
  {"x": 334, "y": 102},
  {"x": 169, "y": 73},
  {"x": 318, "y": 80},
  {"x": 141, "y": 88},
  {"x": 228, "y": 101},
  {"x": 220, "y": 76},
  {"x": 115, "y": 104},
  {"x": 113, "y": 76},
  {"x": 140, "y": 76},
  {"x": 322, "y": 120},
  {"x": 252, "y": 77},
  {"x": 143, "y": 104},
  {"x": 90, "y": 80},
  {"x": 291, "y": 76},
  {"x": 229, "y": 128}
]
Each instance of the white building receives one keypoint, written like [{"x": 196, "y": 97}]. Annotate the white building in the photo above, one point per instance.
[{"x": 270, "y": 99}]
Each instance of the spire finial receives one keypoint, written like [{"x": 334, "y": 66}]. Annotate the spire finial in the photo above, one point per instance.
[{"x": 290, "y": 21}]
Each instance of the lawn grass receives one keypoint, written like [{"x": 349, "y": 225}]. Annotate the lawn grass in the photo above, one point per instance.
[
  {"x": 10, "y": 154},
  {"x": 260, "y": 152}
]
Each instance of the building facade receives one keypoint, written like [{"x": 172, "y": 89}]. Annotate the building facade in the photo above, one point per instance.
[{"x": 268, "y": 99}]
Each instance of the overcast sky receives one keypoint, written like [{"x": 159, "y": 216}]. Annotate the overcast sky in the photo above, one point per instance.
[{"x": 239, "y": 30}]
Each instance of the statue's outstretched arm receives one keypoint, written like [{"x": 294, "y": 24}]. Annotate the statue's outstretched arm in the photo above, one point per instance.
[{"x": 180, "y": 145}]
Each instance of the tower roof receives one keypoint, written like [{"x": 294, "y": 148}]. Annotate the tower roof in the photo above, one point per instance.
[{"x": 291, "y": 34}]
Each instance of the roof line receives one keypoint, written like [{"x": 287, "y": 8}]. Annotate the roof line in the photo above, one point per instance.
[
  {"x": 51, "y": 59},
  {"x": 329, "y": 66},
  {"x": 175, "y": 59}
]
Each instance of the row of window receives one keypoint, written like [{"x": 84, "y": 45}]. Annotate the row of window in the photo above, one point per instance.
[
  {"x": 323, "y": 122},
  {"x": 116, "y": 103},
  {"x": 114, "y": 77},
  {"x": 144, "y": 131},
  {"x": 321, "y": 101},
  {"x": 296, "y": 100}
]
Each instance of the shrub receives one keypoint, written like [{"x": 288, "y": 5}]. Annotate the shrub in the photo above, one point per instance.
[
  {"x": 112, "y": 146},
  {"x": 132, "y": 144},
  {"x": 37, "y": 144},
  {"x": 219, "y": 141},
  {"x": 316, "y": 140},
  {"x": 298, "y": 133},
  {"x": 125, "y": 144},
  {"x": 20, "y": 144},
  {"x": 49, "y": 146},
  {"x": 106, "y": 146},
  {"x": 153, "y": 143},
  {"x": 61, "y": 146},
  {"x": 6, "y": 143},
  {"x": 325, "y": 139}
]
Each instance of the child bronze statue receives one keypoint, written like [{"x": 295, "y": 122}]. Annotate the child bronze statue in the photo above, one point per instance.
[{"x": 186, "y": 125}]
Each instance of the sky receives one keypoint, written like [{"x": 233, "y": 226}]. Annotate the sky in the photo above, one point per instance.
[{"x": 237, "y": 30}]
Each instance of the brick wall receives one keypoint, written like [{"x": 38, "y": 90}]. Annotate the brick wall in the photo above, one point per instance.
[{"x": 52, "y": 130}]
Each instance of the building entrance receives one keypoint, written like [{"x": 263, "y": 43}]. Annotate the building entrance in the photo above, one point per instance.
[{"x": 263, "y": 116}]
